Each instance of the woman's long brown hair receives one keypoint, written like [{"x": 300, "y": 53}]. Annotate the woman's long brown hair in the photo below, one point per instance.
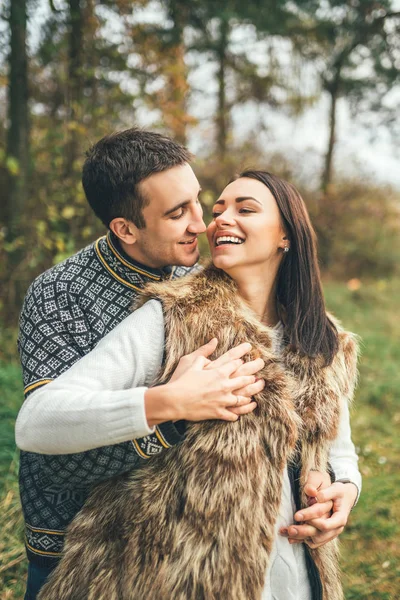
[{"x": 300, "y": 299}]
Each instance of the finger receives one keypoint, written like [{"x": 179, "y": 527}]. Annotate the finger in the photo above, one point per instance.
[
  {"x": 333, "y": 492},
  {"x": 313, "y": 512},
  {"x": 301, "y": 532},
  {"x": 226, "y": 370},
  {"x": 311, "y": 490},
  {"x": 199, "y": 363},
  {"x": 336, "y": 520},
  {"x": 227, "y": 415},
  {"x": 314, "y": 522},
  {"x": 237, "y": 383},
  {"x": 252, "y": 389},
  {"x": 318, "y": 479},
  {"x": 206, "y": 349},
  {"x": 245, "y": 409},
  {"x": 322, "y": 538},
  {"x": 231, "y": 355},
  {"x": 250, "y": 368},
  {"x": 239, "y": 401}
]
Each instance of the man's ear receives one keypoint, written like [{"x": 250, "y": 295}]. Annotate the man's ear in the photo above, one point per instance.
[{"x": 125, "y": 230}]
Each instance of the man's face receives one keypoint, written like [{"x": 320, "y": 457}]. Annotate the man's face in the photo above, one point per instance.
[{"x": 174, "y": 219}]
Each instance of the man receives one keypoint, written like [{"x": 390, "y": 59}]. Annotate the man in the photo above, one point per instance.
[{"x": 142, "y": 188}]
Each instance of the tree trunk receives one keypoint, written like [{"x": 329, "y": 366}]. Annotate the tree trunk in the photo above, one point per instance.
[
  {"x": 333, "y": 91},
  {"x": 75, "y": 82},
  {"x": 177, "y": 88},
  {"x": 222, "y": 118},
  {"x": 18, "y": 130},
  {"x": 14, "y": 206}
]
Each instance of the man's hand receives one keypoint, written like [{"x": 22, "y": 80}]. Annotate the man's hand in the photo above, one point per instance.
[
  {"x": 201, "y": 389},
  {"x": 317, "y": 526}
]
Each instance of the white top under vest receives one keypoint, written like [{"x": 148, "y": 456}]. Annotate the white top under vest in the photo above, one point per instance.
[{"x": 99, "y": 401}]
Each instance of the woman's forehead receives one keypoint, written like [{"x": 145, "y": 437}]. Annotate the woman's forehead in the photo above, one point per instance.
[{"x": 245, "y": 186}]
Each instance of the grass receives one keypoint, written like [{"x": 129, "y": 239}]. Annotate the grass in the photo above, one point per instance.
[
  {"x": 370, "y": 549},
  {"x": 12, "y": 554}
]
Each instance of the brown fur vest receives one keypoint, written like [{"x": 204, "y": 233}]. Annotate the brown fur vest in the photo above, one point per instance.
[{"x": 197, "y": 521}]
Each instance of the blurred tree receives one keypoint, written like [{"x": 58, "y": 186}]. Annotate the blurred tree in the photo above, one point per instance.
[
  {"x": 74, "y": 105},
  {"x": 250, "y": 72},
  {"x": 99, "y": 65},
  {"x": 158, "y": 51},
  {"x": 17, "y": 160},
  {"x": 76, "y": 79},
  {"x": 354, "y": 47},
  {"x": 13, "y": 208}
]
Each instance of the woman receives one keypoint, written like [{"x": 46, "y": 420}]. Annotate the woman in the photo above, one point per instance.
[{"x": 201, "y": 520}]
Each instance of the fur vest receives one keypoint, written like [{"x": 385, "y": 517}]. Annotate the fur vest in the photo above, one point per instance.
[{"x": 197, "y": 521}]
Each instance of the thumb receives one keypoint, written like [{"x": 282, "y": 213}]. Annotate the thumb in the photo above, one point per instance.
[
  {"x": 311, "y": 493},
  {"x": 207, "y": 349},
  {"x": 310, "y": 490}
]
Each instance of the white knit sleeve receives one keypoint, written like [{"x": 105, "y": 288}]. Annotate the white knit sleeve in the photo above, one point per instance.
[
  {"x": 342, "y": 455},
  {"x": 99, "y": 401}
]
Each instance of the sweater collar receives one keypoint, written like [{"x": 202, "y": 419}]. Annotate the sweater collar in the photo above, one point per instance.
[{"x": 123, "y": 268}]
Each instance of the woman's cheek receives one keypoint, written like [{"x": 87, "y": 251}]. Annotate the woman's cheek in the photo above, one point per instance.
[{"x": 210, "y": 232}]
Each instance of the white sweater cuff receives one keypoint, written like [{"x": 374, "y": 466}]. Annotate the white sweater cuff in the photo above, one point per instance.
[{"x": 103, "y": 419}]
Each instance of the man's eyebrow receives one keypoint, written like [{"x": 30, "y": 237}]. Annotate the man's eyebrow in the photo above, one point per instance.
[
  {"x": 178, "y": 206},
  {"x": 240, "y": 199}
]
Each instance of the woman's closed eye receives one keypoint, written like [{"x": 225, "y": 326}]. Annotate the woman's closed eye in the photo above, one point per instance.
[{"x": 241, "y": 211}]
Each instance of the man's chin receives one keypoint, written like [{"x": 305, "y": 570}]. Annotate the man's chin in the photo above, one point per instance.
[{"x": 189, "y": 260}]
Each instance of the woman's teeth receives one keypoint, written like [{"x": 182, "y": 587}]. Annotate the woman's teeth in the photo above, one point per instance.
[{"x": 227, "y": 239}]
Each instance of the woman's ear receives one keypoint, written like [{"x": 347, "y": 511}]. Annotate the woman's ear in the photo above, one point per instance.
[
  {"x": 285, "y": 243},
  {"x": 124, "y": 230}
]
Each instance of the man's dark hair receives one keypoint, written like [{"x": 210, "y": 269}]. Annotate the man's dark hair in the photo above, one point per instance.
[{"x": 115, "y": 166}]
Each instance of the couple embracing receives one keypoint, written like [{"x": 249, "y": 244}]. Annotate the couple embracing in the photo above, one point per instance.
[{"x": 199, "y": 446}]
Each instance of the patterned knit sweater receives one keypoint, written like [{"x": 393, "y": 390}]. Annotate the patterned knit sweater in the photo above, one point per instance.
[{"x": 66, "y": 312}]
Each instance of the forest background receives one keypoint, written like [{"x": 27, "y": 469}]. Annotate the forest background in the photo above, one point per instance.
[{"x": 222, "y": 77}]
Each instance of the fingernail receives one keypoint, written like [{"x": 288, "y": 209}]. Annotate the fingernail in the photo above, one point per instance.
[
  {"x": 293, "y": 531},
  {"x": 299, "y": 517},
  {"x": 291, "y": 541}
]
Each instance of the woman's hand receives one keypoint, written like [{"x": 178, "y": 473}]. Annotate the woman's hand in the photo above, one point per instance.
[
  {"x": 316, "y": 527},
  {"x": 316, "y": 481},
  {"x": 343, "y": 496}
]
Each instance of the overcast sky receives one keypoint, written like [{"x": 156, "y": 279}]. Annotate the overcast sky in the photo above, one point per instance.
[{"x": 302, "y": 138}]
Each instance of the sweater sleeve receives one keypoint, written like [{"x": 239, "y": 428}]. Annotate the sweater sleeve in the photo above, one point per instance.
[
  {"x": 342, "y": 456},
  {"x": 99, "y": 401}
]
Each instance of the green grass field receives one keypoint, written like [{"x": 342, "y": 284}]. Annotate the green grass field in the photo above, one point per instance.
[{"x": 370, "y": 548}]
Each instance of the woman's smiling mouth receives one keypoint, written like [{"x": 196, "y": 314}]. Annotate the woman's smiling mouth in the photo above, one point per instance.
[{"x": 224, "y": 240}]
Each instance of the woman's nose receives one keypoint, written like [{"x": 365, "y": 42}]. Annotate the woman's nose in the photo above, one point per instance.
[{"x": 225, "y": 218}]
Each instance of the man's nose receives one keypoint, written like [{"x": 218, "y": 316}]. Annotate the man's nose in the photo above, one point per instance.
[{"x": 197, "y": 224}]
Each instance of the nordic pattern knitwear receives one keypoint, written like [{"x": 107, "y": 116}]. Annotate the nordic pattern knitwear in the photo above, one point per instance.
[{"x": 67, "y": 310}]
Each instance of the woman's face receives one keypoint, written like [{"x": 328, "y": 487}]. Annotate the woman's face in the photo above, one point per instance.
[{"x": 246, "y": 229}]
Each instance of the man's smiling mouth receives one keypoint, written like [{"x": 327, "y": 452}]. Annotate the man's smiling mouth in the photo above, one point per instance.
[{"x": 192, "y": 241}]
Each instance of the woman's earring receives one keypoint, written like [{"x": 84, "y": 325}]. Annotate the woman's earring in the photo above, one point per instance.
[{"x": 286, "y": 249}]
